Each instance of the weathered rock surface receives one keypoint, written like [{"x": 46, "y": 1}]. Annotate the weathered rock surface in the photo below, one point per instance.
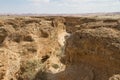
[
  {"x": 97, "y": 50},
  {"x": 59, "y": 48},
  {"x": 29, "y": 45}
]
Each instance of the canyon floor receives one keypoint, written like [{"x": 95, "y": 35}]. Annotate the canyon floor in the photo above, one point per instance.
[{"x": 60, "y": 48}]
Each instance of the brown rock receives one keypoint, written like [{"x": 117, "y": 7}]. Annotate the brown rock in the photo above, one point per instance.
[{"x": 96, "y": 49}]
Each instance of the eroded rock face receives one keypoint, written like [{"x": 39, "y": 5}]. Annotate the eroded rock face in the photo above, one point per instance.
[
  {"x": 29, "y": 46},
  {"x": 3, "y": 35},
  {"x": 9, "y": 64},
  {"x": 59, "y": 48},
  {"x": 97, "y": 50}
]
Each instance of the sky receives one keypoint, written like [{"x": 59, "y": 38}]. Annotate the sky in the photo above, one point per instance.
[{"x": 58, "y": 6}]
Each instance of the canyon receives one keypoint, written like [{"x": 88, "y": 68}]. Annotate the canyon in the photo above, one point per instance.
[{"x": 59, "y": 48}]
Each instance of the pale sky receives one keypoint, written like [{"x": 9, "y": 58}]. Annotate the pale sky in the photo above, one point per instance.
[{"x": 59, "y": 6}]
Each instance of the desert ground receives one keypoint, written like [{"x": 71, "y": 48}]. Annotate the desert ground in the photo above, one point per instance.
[{"x": 60, "y": 47}]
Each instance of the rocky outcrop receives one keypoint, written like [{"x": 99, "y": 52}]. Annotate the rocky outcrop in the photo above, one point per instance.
[
  {"x": 9, "y": 64},
  {"x": 29, "y": 45},
  {"x": 59, "y": 48},
  {"x": 95, "y": 52}
]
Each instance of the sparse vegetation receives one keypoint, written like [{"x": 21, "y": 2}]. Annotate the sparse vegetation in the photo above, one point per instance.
[
  {"x": 29, "y": 69},
  {"x": 56, "y": 66},
  {"x": 34, "y": 48}
]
